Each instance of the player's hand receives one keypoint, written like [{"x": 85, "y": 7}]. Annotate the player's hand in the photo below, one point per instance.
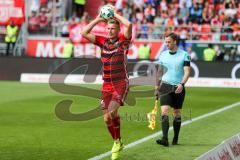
[
  {"x": 114, "y": 9},
  {"x": 100, "y": 19},
  {"x": 179, "y": 88}
]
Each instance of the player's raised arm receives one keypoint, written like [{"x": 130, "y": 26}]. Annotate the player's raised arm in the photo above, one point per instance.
[
  {"x": 128, "y": 25},
  {"x": 87, "y": 29}
]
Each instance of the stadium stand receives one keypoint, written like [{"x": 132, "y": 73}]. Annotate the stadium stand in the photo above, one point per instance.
[
  {"x": 203, "y": 20},
  {"x": 208, "y": 21}
]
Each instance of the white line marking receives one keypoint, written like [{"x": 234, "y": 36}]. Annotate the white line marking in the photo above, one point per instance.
[{"x": 130, "y": 145}]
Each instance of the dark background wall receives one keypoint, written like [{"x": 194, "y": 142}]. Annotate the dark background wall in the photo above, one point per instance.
[{"x": 12, "y": 67}]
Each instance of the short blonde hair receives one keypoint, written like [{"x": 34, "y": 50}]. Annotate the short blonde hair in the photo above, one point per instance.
[{"x": 114, "y": 21}]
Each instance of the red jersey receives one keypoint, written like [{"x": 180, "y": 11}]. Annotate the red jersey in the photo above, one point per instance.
[{"x": 114, "y": 57}]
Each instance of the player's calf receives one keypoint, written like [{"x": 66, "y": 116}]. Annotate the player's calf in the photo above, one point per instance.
[{"x": 176, "y": 128}]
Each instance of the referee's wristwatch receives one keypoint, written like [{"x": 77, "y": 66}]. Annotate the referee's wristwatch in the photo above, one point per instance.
[{"x": 182, "y": 84}]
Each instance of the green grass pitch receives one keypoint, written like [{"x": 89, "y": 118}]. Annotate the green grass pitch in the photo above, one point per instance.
[{"x": 29, "y": 128}]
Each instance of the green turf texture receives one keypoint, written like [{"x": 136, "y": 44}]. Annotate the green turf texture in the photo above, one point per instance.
[
  {"x": 195, "y": 139},
  {"x": 31, "y": 130}
]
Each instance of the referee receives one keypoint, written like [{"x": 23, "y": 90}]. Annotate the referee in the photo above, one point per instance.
[{"x": 170, "y": 85}]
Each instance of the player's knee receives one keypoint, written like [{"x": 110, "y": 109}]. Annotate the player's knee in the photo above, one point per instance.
[
  {"x": 114, "y": 115},
  {"x": 177, "y": 113},
  {"x": 107, "y": 118},
  {"x": 165, "y": 112},
  {"x": 108, "y": 121},
  {"x": 113, "y": 106}
]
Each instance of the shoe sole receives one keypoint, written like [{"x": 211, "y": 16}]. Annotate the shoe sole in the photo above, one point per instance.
[{"x": 118, "y": 154}]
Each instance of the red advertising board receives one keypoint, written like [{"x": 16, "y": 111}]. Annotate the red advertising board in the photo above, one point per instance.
[
  {"x": 54, "y": 48},
  {"x": 11, "y": 10}
]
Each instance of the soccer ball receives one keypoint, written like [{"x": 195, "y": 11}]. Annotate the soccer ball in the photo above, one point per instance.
[{"x": 106, "y": 12}]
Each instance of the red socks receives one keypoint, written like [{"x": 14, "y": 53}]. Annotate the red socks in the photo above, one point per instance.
[
  {"x": 110, "y": 127},
  {"x": 114, "y": 127},
  {"x": 116, "y": 122}
]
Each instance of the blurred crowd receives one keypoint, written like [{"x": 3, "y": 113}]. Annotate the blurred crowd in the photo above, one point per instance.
[
  {"x": 205, "y": 20},
  {"x": 40, "y": 16},
  {"x": 218, "y": 53},
  {"x": 192, "y": 19},
  {"x": 196, "y": 18},
  {"x": 212, "y": 52}
]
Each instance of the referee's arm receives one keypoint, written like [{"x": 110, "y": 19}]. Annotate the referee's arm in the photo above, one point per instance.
[
  {"x": 187, "y": 71},
  {"x": 186, "y": 75}
]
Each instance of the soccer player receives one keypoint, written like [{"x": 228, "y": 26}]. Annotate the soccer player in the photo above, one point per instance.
[
  {"x": 176, "y": 67},
  {"x": 114, "y": 47}
]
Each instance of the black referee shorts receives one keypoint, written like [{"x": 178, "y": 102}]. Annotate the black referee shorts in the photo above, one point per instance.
[{"x": 168, "y": 96}]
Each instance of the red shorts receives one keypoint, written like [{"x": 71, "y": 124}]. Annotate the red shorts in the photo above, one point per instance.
[{"x": 114, "y": 91}]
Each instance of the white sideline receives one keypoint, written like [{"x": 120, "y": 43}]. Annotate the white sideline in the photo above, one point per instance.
[{"x": 130, "y": 145}]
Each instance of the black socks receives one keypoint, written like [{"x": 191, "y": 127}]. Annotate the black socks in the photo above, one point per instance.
[
  {"x": 176, "y": 128},
  {"x": 165, "y": 126}
]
